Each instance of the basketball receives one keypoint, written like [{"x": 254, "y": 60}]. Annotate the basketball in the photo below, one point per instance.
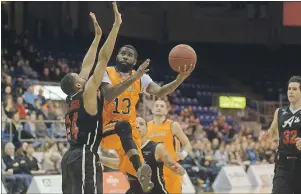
[{"x": 180, "y": 56}]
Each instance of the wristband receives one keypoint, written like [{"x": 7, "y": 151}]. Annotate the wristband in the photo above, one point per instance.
[{"x": 184, "y": 153}]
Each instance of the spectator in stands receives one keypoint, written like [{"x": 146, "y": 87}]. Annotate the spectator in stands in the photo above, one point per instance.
[
  {"x": 252, "y": 155},
  {"x": 7, "y": 82},
  {"x": 58, "y": 128},
  {"x": 46, "y": 75},
  {"x": 42, "y": 97},
  {"x": 61, "y": 148},
  {"x": 37, "y": 108},
  {"x": 215, "y": 144},
  {"x": 32, "y": 162},
  {"x": 52, "y": 158},
  {"x": 11, "y": 184},
  {"x": 10, "y": 181},
  {"x": 19, "y": 87},
  {"x": 30, "y": 125},
  {"x": 270, "y": 152},
  {"x": 57, "y": 75},
  {"x": 23, "y": 148},
  {"x": 16, "y": 165},
  {"x": 20, "y": 107},
  {"x": 18, "y": 71},
  {"x": 49, "y": 110},
  {"x": 222, "y": 157},
  {"x": 29, "y": 96},
  {"x": 245, "y": 155},
  {"x": 28, "y": 71},
  {"x": 9, "y": 106},
  {"x": 18, "y": 57},
  {"x": 41, "y": 128},
  {"x": 16, "y": 128}
]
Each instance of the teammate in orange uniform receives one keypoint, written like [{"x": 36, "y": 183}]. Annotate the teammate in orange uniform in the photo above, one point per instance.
[
  {"x": 169, "y": 132},
  {"x": 121, "y": 88}
]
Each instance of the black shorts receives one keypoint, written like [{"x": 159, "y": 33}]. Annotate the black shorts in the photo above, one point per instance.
[
  {"x": 158, "y": 190},
  {"x": 81, "y": 172},
  {"x": 135, "y": 187},
  {"x": 287, "y": 178}
]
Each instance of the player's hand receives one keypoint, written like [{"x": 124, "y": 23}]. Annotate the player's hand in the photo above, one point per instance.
[
  {"x": 118, "y": 19},
  {"x": 298, "y": 143},
  {"x": 263, "y": 136},
  {"x": 177, "y": 168},
  {"x": 142, "y": 69},
  {"x": 10, "y": 172},
  {"x": 97, "y": 28},
  {"x": 181, "y": 155},
  {"x": 187, "y": 71}
]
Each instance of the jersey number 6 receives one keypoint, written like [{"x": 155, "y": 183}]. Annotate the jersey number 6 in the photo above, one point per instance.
[{"x": 126, "y": 103}]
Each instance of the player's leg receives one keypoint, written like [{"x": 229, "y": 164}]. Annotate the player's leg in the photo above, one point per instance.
[
  {"x": 84, "y": 170},
  {"x": 135, "y": 186},
  {"x": 124, "y": 131},
  {"x": 297, "y": 177},
  {"x": 99, "y": 177},
  {"x": 281, "y": 184},
  {"x": 67, "y": 180},
  {"x": 173, "y": 182}
]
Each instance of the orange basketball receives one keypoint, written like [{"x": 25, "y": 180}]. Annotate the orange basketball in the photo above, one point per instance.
[{"x": 180, "y": 56}]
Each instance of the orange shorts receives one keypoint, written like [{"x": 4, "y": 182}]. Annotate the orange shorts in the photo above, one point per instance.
[
  {"x": 113, "y": 142},
  {"x": 173, "y": 182}
]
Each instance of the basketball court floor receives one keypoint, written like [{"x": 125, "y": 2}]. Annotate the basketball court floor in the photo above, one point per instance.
[{"x": 251, "y": 190}]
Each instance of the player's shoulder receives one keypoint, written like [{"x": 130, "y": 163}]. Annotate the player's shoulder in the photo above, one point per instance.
[
  {"x": 111, "y": 69},
  {"x": 157, "y": 145},
  {"x": 146, "y": 77},
  {"x": 282, "y": 109},
  {"x": 173, "y": 123}
]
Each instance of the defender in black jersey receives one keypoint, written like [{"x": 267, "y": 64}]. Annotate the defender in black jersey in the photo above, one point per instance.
[
  {"x": 287, "y": 178},
  {"x": 156, "y": 156},
  {"x": 81, "y": 170}
]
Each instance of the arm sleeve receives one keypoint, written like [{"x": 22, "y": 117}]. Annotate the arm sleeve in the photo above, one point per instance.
[
  {"x": 106, "y": 78},
  {"x": 145, "y": 81}
]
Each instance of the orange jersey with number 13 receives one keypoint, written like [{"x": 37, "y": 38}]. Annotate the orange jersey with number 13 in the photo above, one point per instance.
[{"x": 124, "y": 106}]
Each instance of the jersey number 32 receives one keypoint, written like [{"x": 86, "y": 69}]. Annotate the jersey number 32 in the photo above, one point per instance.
[{"x": 289, "y": 136}]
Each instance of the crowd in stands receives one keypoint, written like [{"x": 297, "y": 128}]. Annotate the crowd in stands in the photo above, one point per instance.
[
  {"x": 19, "y": 166},
  {"x": 217, "y": 140}
]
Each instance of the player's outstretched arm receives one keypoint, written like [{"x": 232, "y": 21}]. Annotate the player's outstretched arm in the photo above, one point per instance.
[
  {"x": 178, "y": 132},
  {"x": 161, "y": 91},
  {"x": 162, "y": 155},
  {"x": 89, "y": 59},
  {"x": 110, "y": 93},
  {"x": 272, "y": 130},
  {"x": 105, "y": 53}
]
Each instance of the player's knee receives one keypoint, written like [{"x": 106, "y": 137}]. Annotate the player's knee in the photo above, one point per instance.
[{"x": 123, "y": 128}]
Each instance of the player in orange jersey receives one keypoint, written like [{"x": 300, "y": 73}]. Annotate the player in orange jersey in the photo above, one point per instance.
[
  {"x": 121, "y": 88},
  {"x": 161, "y": 129}
]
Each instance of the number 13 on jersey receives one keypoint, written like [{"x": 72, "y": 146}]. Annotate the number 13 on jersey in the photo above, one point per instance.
[{"x": 122, "y": 106}]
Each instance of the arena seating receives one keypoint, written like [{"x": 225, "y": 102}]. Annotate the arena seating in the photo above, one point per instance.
[{"x": 209, "y": 131}]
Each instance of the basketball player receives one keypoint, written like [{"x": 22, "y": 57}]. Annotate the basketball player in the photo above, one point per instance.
[
  {"x": 156, "y": 155},
  {"x": 81, "y": 172},
  {"x": 121, "y": 88},
  {"x": 287, "y": 126},
  {"x": 169, "y": 132}
]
